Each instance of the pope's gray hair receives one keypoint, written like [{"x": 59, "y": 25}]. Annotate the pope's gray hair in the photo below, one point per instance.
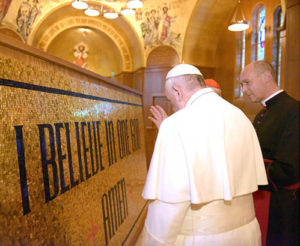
[{"x": 189, "y": 81}]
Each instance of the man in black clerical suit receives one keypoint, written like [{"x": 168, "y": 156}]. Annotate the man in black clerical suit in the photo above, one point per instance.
[{"x": 277, "y": 127}]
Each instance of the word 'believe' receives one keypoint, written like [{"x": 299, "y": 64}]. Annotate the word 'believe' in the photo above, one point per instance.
[{"x": 88, "y": 150}]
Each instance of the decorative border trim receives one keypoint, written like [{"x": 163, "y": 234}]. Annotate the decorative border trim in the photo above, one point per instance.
[{"x": 27, "y": 86}]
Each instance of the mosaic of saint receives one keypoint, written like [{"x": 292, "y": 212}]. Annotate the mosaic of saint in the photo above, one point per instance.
[
  {"x": 27, "y": 14},
  {"x": 156, "y": 28}
]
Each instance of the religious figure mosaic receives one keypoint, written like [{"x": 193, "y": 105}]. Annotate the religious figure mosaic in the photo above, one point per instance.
[
  {"x": 27, "y": 13},
  {"x": 81, "y": 54}
]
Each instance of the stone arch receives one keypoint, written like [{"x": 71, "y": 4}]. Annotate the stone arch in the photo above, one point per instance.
[
  {"x": 11, "y": 33},
  {"x": 77, "y": 21},
  {"x": 163, "y": 56},
  {"x": 131, "y": 45}
]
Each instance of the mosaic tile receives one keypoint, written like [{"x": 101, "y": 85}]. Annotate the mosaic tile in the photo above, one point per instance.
[{"x": 72, "y": 157}]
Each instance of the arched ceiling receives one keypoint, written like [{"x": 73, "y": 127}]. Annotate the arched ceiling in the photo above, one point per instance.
[
  {"x": 163, "y": 56},
  {"x": 208, "y": 21},
  {"x": 194, "y": 27},
  {"x": 64, "y": 16},
  {"x": 71, "y": 22},
  {"x": 88, "y": 48}
]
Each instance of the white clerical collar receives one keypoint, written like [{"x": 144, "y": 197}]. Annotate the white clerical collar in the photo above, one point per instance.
[
  {"x": 199, "y": 93},
  {"x": 273, "y": 95}
]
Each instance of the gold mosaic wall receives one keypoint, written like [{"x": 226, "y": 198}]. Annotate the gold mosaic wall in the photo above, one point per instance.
[{"x": 72, "y": 156}]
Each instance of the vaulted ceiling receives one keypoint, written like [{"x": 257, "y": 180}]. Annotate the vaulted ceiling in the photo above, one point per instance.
[{"x": 195, "y": 28}]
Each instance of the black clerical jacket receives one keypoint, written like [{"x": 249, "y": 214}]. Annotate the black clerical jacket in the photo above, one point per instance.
[{"x": 277, "y": 128}]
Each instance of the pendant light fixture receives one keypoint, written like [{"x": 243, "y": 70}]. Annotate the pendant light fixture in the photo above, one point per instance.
[{"x": 238, "y": 22}]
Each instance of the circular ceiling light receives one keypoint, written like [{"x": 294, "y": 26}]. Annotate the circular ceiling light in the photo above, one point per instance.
[
  {"x": 111, "y": 15},
  {"x": 92, "y": 12},
  {"x": 134, "y": 4},
  {"x": 127, "y": 12},
  {"x": 77, "y": 4}
]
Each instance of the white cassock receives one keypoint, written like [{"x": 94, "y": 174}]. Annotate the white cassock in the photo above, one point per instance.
[{"x": 206, "y": 163}]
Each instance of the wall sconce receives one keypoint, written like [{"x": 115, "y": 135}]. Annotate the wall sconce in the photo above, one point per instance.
[{"x": 238, "y": 22}]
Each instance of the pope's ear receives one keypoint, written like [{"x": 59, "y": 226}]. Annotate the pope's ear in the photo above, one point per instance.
[{"x": 177, "y": 91}]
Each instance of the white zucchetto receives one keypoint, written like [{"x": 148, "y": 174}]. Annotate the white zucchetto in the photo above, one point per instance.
[{"x": 183, "y": 69}]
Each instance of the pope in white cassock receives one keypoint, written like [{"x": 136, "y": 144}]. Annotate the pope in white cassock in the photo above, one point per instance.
[{"x": 206, "y": 163}]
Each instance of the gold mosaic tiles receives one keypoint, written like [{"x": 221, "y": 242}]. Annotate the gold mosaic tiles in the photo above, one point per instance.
[{"x": 72, "y": 156}]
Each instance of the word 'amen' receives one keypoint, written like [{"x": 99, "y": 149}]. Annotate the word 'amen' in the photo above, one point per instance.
[{"x": 114, "y": 209}]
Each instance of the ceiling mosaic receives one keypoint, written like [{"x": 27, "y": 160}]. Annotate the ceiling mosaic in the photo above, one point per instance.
[
  {"x": 193, "y": 28},
  {"x": 156, "y": 23}
]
